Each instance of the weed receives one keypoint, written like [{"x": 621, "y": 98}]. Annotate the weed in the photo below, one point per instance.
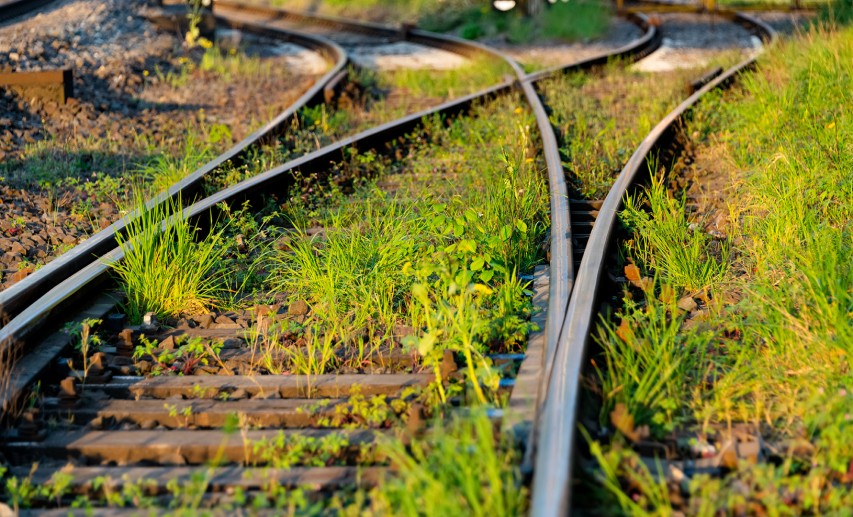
[
  {"x": 285, "y": 451},
  {"x": 164, "y": 170},
  {"x": 665, "y": 241},
  {"x": 648, "y": 362},
  {"x": 165, "y": 269},
  {"x": 619, "y": 467},
  {"x": 376, "y": 411},
  {"x": 428, "y": 83},
  {"x": 460, "y": 468},
  {"x": 189, "y": 354},
  {"x": 770, "y": 345},
  {"x": 601, "y": 118},
  {"x": 22, "y": 493}
]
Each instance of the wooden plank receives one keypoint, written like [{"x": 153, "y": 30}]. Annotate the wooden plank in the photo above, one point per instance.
[
  {"x": 292, "y": 413},
  {"x": 180, "y": 447},
  {"x": 156, "y": 479},
  {"x": 55, "y": 85},
  {"x": 285, "y": 386},
  {"x": 394, "y": 358}
]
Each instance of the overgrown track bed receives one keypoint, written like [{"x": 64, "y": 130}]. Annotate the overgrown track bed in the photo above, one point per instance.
[
  {"x": 561, "y": 414},
  {"x": 55, "y": 198},
  {"x": 321, "y": 343},
  {"x": 432, "y": 231},
  {"x": 242, "y": 160},
  {"x": 480, "y": 237}
]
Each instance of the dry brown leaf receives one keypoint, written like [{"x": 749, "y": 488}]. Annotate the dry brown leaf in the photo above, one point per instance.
[
  {"x": 625, "y": 332},
  {"x": 667, "y": 294},
  {"x": 647, "y": 284},
  {"x": 623, "y": 421},
  {"x": 632, "y": 273}
]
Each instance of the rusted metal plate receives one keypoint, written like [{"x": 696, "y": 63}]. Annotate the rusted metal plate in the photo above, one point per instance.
[
  {"x": 48, "y": 85},
  {"x": 156, "y": 479},
  {"x": 179, "y": 447},
  {"x": 285, "y": 386},
  {"x": 293, "y": 413}
]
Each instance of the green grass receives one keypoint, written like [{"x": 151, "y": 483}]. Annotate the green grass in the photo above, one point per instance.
[
  {"x": 385, "y": 96},
  {"x": 686, "y": 259},
  {"x": 562, "y": 21},
  {"x": 434, "y": 243},
  {"x": 213, "y": 61},
  {"x": 198, "y": 147},
  {"x": 603, "y": 117},
  {"x": 569, "y": 21},
  {"x": 771, "y": 347},
  {"x": 166, "y": 269},
  {"x": 478, "y": 74},
  {"x": 459, "y": 468},
  {"x": 389, "y": 11}
]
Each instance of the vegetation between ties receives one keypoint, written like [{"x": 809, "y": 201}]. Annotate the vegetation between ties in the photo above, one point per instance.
[
  {"x": 376, "y": 264},
  {"x": 729, "y": 354}
]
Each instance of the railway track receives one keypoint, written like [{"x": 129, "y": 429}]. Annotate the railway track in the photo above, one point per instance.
[
  {"x": 13, "y": 299},
  {"x": 558, "y": 418},
  {"x": 11, "y": 9},
  {"x": 161, "y": 415}
]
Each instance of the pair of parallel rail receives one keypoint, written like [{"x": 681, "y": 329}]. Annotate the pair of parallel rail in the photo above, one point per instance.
[{"x": 547, "y": 386}]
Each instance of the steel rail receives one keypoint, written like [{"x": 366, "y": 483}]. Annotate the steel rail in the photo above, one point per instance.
[
  {"x": 561, "y": 267},
  {"x": 430, "y": 39},
  {"x": 66, "y": 291},
  {"x": 15, "y": 298},
  {"x": 15, "y": 8},
  {"x": 554, "y": 459}
]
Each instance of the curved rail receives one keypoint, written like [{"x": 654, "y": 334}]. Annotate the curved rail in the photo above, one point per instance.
[
  {"x": 14, "y": 8},
  {"x": 86, "y": 277},
  {"x": 552, "y": 475},
  {"x": 16, "y": 297}
]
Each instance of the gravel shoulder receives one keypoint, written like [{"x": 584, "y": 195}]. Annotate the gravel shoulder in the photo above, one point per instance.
[
  {"x": 620, "y": 33},
  {"x": 140, "y": 98},
  {"x": 694, "y": 40}
]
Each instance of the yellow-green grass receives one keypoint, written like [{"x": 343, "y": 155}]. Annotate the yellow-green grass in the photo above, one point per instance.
[
  {"x": 772, "y": 348},
  {"x": 602, "y": 117}
]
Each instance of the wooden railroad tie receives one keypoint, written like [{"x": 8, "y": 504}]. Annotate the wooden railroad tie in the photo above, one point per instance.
[{"x": 48, "y": 85}]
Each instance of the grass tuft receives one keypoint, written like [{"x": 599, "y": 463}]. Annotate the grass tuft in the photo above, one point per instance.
[
  {"x": 166, "y": 269},
  {"x": 459, "y": 468}
]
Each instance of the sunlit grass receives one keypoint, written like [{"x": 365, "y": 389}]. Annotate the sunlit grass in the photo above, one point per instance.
[
  {"x": 166, "y": 269},
  {"x": 772, "y": 345},
  {"x": 603, "y": 117},
  {"x": 459, "y": 468}
]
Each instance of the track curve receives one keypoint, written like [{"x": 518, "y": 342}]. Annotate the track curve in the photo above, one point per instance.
[
  {"x": 555, "y": 443},
  {"x": 14, "y": 299},
  {"x": 84, "y": 281}
]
